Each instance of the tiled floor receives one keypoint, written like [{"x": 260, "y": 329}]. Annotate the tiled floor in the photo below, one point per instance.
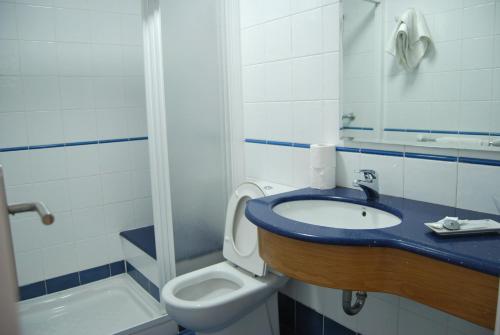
[{"x": 298, "y": 319}]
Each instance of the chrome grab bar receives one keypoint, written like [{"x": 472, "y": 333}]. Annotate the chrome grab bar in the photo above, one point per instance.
[{"x": 39, "y": 207}]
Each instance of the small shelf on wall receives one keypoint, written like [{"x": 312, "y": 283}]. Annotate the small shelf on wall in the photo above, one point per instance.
[{"x": 143, "y": 238}]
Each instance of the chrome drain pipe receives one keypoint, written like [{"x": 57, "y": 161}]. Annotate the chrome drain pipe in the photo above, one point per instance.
[{"x": 353, "y": 309}]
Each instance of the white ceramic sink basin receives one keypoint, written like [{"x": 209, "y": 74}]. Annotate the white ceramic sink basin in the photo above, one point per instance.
[{"x": 336, "y": 214}]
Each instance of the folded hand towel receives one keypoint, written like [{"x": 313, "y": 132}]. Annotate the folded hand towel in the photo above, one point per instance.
[{"x": 410, "y": 40}]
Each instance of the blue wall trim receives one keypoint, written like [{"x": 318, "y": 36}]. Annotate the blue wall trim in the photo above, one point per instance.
[
  {"x": 143, "y": 281},
  {"x": 357, "y": 128},
  {"x": 70, "y": 280},
  {"x": 439, "y": 131},
  {"x": 72, "y": 144},
  {"x": 443, "y": 158}
]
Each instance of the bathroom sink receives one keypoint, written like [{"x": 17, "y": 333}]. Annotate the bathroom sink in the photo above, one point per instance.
[{"x": 336, "y": 214}]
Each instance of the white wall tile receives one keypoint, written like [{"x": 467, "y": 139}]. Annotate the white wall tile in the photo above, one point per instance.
[
  {"x": 131, "y": 29},
  {"x": 79, "y": 125},
  {"x": 477, "y": 53},
  {"x": 137, "y": 123},
  {"x": 307, "y": 121},
  {"x": 41, "y": 93},
  {"x": 134, "y": 91},
  {"x": 280, "y": 164},
  {"x": 73, "y": 59},
  {"x": 307, "y": 33},
  {"x": 82, "y": 161},
  {"x": 253, "y": 79},
  {"x": 114, "y": 157},
  {"x": 278, "y": 40},
  {"x": 478, "y": 21},
  {"x": 279, "y": 116},
  {"x": 16, "y": 166},
  {"x": 143, "y": 212},
  {"x": 53, "y": 193},
  {"x": 278, "y": 81},
  {"x": 255, "y": 120},
  {"x": 105, "y": 27},
  {"x": 35, "y": 23},
  {"x": 476, "y": 84},
  {"x": 85, "y": 192},
  {"x": 116, "y": 187},
  {"x": 115, "y": 250},
  {"x": 61, "y": 231},
  {"x": 38, "y": 58},
  {"x": 106, "y": 60},
  {"x": 72, "y": 25},
  {"x": 89, "y": 222},
  {"x": 255, "y": 160},
  {"x": 119, "y": 216},
  {"x": 60, "y": 260},
  {"x": 108, "y": 92},
  {"x": 307, "y": 78},
  {"x": 13, "y": 132},
  {"x": 26, "y": 236},
  {"x": 331, "y": 28},
  {"x": 8, "y": 24},
  {"x": 45, "y": 128},
  {"x": 300, "y": 167},
  {"x": 111, "y": 124},
  {"x": 29, "y": 266},
  {"x": 347, "y": 164},
  {"x": 390, "y": 172},
  {"x": 141, "y": 183},
  {"x": 472, "y": 178},
  {"x": 331, "y": 75},
  {"x": 412, "y": 324},
  {"x": 11, "y": 94},
  {"x": 9, "y": 57},
  {"x": 49, "y": 164},
  {"x": 76, "y": 93},
  {"x": 430, "y": 181}
]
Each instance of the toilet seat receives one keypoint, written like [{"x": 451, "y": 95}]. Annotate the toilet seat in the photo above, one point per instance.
[
  {"x": 240, "y": 235},
  {"x": 198, "y": 299}
]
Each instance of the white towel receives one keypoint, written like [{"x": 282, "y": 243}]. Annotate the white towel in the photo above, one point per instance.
[{"x": 410, "y": 40}]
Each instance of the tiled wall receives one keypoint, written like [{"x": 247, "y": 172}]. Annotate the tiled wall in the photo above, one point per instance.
[
  {"x": 280, "y": 118},
  {"x": 457, "y": 85},
  {"x": 71, "y": 74},
  {"x": 290, "y": 77}
]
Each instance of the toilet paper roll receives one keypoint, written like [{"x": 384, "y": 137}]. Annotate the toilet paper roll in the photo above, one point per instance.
[
  {"x": 322, "y": 155},
  {"x": 322, "y": 178}
]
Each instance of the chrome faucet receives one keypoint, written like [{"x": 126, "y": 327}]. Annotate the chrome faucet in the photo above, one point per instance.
[{"x": 369, "y": 184}]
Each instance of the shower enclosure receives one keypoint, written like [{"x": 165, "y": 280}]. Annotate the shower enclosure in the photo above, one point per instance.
[{"x": 110, "y": 117}]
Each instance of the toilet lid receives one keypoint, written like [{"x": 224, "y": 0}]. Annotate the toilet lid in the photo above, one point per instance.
[{"x": 241, "y": 245}]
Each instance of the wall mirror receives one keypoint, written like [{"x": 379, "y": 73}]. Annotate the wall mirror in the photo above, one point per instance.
[{"x": 450, "y": 98}]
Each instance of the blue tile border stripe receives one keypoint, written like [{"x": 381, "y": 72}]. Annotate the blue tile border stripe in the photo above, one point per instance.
[
  {"x": 439, "y": 131},
  {"x": 143, "y": 281},
  {"x": 70, "y": 280},
  {"x": 73, "y": 144},
  {"x": 357, "y": 128},
  {"x": 443, "y": 158}
]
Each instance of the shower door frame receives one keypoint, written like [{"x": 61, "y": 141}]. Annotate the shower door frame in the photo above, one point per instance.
[{"x": 231, "y": 102}]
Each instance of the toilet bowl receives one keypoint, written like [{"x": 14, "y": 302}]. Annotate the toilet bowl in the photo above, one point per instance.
[{"x": 238, "y": 290}]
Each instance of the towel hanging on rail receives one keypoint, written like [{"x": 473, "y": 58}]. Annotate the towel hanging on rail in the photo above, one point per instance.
[{"x": 410, "y": 40}]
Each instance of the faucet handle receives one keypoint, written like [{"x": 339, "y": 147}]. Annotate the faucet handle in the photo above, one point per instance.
[{"x": 368, "y": 173}]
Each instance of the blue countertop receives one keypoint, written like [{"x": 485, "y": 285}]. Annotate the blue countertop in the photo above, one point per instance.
[{"x": 479, "y": 252}]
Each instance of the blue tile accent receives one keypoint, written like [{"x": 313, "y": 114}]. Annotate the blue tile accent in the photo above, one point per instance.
[
  {"x": 308, "y": 321},
  {"x": 14, "y": 149},
  {"x": 438, "y": 131},
  {"x": 284, "y": 144},
  {"x": 117, "y": 268},
  {"x": 357, "y": 128},
  {"x": 187, "y": 332},
  {"x": 302, "y": 145},
  {"x": 347, "y": 149},
  {"x": 443, "y": 158},
  {"x": 395, "y": 129},
  {"x": 76, "y": 144},
  {"x": 475, "y": 133},
  {"x": 479, "y": 161},
  {"x": 32, "y": 290},
  {"x": 62, "y": 282},
  {"x": 252, "y": 140},
  {"x": 71, "y": 144},
  {"x": 138, "y": 276},
  {"x": 143, "y": 238},
  {"x": 154, "y": 291},
  {"x": 286, "y": 308},
  {"x": 70, "y": 280},
  {"x": 94, "y": 274},
  {"x": 334, "y": 328},
  {"x": 46, "y": 146},
  {"x": 382, "y": 152},
  {"x": 453, "y": 132},
  {"x": 425, "y": 131},
  {"x": 431, "y": 157}
]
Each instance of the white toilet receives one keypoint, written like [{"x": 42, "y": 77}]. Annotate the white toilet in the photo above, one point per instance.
[{"x": 237, "y": 296}]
